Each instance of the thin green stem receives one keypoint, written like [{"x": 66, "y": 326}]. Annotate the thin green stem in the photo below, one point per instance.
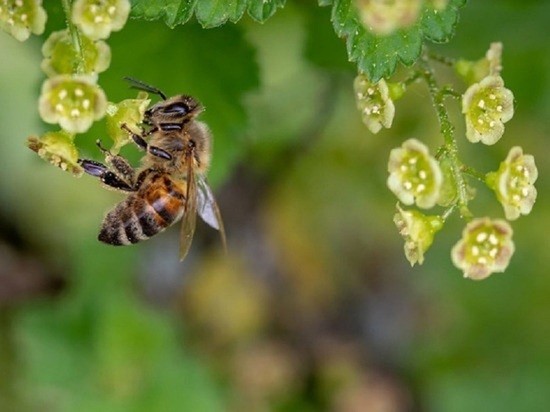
[
  {"x": 450, "y": 147},
  {"x": 75, "y": 35},
  {"x": 440, "y": 59},
  {"x": 449, "y": 211},
  {"x": 474, "y": 173}
]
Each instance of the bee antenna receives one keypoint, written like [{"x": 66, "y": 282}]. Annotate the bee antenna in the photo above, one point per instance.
[{"x": 138, "y": 84}]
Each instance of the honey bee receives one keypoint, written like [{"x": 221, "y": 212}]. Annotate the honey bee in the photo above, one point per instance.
[{"x": 170, "y": 184}]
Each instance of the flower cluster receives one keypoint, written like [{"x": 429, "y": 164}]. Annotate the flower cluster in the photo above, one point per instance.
[
  {"x": 72, "y": 60},
  {"x": 20, "y": 18},
  {"x": 417, "y": 178}
]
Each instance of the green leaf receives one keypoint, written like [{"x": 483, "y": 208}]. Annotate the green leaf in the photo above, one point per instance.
[
  {"x": 213, "y": 13},
  {"x": 209, "y": 13},
  {"x": 261, "y": 10},
  {"x": 439, "y": 27},
  {"x": 377, "y": 56},
  {"x": 173, "y": 12}
]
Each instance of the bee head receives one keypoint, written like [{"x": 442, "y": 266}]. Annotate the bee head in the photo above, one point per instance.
[{"x": 175, "y": 110}]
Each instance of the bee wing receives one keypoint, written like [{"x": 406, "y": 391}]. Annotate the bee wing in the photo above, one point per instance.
[
  {"x": 207, "y": 208},
  {"x": 189, "y": 218}
]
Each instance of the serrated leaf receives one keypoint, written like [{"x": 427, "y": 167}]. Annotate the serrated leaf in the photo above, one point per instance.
[
  {"x": 213, "y": 13},
  {"x": 209, "y": 13},
  {"x": 377, "y": 56},
  {"x": 439, "y": 26},
  {"x": 261, "y": 10},
  {"x": 172, "y": 12}
]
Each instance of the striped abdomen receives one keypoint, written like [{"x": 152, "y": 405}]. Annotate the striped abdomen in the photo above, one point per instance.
[{"x": 157, "y": 204}]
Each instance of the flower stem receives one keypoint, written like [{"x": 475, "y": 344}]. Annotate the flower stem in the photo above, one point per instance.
[
  {"x": 450, "y": 147},
  {"x": 75, "y": 34}
]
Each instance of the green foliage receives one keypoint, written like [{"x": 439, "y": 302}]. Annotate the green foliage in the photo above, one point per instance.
[
  {"x": 209, "y": 13},
  {"x": 377, "y": 56}
]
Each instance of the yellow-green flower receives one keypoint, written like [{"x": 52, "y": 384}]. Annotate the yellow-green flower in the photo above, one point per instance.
[
  {"x": 20, "y": 18},
  {"x": 60, "y": 56},
  {"x": 129, "y": 112},
  {"x": 418, "y": 230},
  {"x": 374, "y": 102},
  {"x": 487, "y": 105},
  {"x": 383, "y": 17},
  {"x": 98, "y": 18},
  {"x": 415, "y": 176},
  {"x": 513, "y": 183},
  {"x": 486, "y": 247},
  {"x": 57, "y": 148},
  {"x": 490, "y": 65},
  {"x": 74, "y": 102}
]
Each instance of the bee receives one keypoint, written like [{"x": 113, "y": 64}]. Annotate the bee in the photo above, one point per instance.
[{"x": 170, "y": 184}]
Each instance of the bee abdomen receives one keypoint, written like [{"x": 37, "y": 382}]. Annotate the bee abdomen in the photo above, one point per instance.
[{"x": 137, "y": 218}]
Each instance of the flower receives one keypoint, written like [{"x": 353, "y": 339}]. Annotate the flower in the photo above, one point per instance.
[
  {"x": 490, "y": 65},
  {"x": 513, "y": 183},
  {"x": 383, "y": 17},
  {"x": 129, "y": 112},
  {"x": 374, "y": 103},
  {"x": 418, "y": 230},
  {"x": 98, "y": 18},
  {"x": 58, "y": 149},
  {"x": 486, "y": 247},
  {"x": 487, "y": 105},
  {"x": 74, "y": 102},
  {"x": 60, "y": 56},
  {"x": 20, "y": 18},
  {"x": 414, "y": 174}
]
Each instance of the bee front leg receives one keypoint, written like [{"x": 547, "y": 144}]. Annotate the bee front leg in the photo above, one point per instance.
[
  {"x": 142, "y": 144},
  {"x": 118, "y": 173},
  {"x": 104, "y": 174}
]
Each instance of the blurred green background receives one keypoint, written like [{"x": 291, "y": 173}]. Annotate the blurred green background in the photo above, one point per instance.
[{"x": 315, "y": 307}]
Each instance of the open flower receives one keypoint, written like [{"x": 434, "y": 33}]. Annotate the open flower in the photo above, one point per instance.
[
  {"x": 486, "y": 247},
  {"x": 57, "y": 148},
  {"x": 20, "y": 18},
  {"x": 418, "y": 230},
  {"x": 129, "y": 112},
  {"x": 98, "y": 18},
  {"x": 74, "y": 102},
  {"x": 513, "y": 183},
  {"x": 60, "y": 56},
  {"x": 487, "y": 105},
  {"x": 374, "y": 103},
  {"x": 414, "y": 174},
  {"x": 383, "y": 17}
]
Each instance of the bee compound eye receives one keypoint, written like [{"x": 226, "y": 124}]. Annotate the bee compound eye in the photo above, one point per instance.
[{"x": 178, "y": 109}]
